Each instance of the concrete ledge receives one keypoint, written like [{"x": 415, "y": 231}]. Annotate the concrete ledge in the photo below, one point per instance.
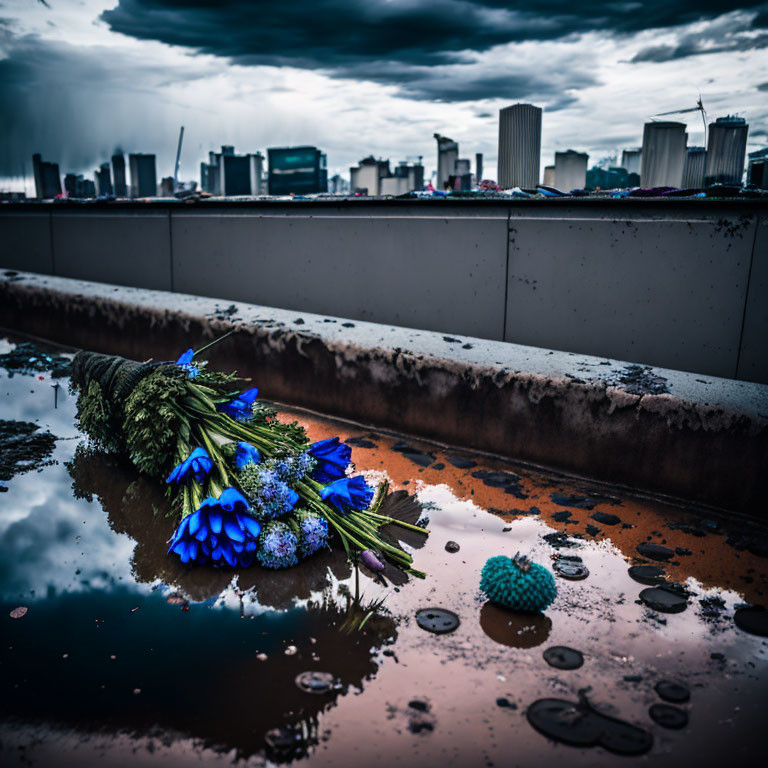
[{"x": 695, "y": 437}]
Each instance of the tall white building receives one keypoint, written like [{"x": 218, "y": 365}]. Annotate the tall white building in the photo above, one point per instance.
[
  {"x": 693, "y": 170},
  {"x": 664, "y": 152},
  {"x": 570, "y": 170},
  {"x": 726, "y": 150},
  {"x": 631, "y": 160},
  {"x": 519, "y": 146}
]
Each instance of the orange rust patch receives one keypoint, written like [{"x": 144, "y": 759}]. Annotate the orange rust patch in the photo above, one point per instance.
[{"x": 712, "y": 561}]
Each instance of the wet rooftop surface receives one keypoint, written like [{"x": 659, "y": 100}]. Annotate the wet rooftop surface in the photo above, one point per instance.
[{"x": 126, "y": 657}]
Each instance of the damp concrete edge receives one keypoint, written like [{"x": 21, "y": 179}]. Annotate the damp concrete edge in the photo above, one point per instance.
[{"x": 698, "y": 438}]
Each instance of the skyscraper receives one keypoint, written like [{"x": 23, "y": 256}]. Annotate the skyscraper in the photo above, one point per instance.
[
  {"x": 726, "y": 150},
  {"x": 447, "y": 155},
  {"x": 631, "y": 160},
  {"x": 570, "y": 170},
  {"x": 47, "y": 178},
  {"x": 143, "y": 175},
  {"x": 478, "y": 167},
  {"x": 757, "y": 172},
  {"x": 103, "y": 181},
  {"x": 693, "y": 170},
  {"x": 519, "y": 146},
  {"x": 297, "y": 170},
  {"x": 663, "y": 154},
  {"x": 118, "y": 175}
]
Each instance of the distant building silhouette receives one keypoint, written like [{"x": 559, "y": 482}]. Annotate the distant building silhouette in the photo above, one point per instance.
[
  {"x": 166, "y": 186},
  {"x": 478, "y": 167},
  {"x": 462, "y": 178},
  {"x": 365, "y": 178},
  {"x": 663, "y": 154},
  {"x": 611, "y": 178},
  {"x": 757, "y": 172},
  {"x": 519, "y": 146},
  {"x": 549, "y": 176},
  {"x": 405, "y": 178},
  {"x": 447, "y": 155},
  {"x": 103, "y": 181},
  {"x": 47, "y": 178},
  {"x": 297, "y": 170},
  {"x": 118, "y": 175},
  {"x": 631, "y": 160},
  {"x": 726, "y": 150},
  {"x": 143, "y": 175},
  {"x": 79, "y": 188},
  {"x": 570, "y": 170},
  {"x": 229, "y": 174},
  {"x": 693, "y": 170}
]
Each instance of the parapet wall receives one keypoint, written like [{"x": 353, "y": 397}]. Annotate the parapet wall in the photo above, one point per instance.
[
  {"x": 675, "y": 283},
  {"x": 694, "y": 437}
]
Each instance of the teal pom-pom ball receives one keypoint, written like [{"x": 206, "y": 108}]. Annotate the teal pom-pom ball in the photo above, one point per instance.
[{"x": 517, "y": 583}]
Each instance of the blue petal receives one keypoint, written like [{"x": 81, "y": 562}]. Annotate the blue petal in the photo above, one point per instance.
[
  {"x": 215, "y": 520},
  {"x": 229, "y": 555},
  {"x": 185, "y": 358},
  {"x": 233, "y": 530},
  {"x": 252, "y": 526},
  {"x": 193, "y": 547},
  {"x": 195, "y": 521},
  {"x": 249, "y": 395}
]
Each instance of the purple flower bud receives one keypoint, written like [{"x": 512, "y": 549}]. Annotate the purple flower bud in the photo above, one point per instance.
[{"x": 371, "y": 562}]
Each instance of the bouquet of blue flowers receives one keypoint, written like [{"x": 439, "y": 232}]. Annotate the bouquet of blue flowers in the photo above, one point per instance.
[{"x": 246, "y": 487}]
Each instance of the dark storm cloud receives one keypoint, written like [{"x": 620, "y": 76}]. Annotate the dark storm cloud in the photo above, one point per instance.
[
  {"x": 543, "y": 81},
  {"x": 733, "y": 33},
  {"x": 380, "y": 40}
]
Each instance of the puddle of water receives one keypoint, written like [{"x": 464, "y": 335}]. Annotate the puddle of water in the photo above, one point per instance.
[{"x": 126, "y": 654}]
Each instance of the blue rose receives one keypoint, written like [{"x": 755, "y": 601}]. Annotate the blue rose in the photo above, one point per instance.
[
  {"x": 348, "y": 494},
  {"x": 185, "y": 362},
  {"x": 332, "y": 457},
  {"x": 196, "y": 466},
  {"x": 219, "y": 531},
  {"x": 246, "y": 454},
  {"x": 241, "y": 408}
]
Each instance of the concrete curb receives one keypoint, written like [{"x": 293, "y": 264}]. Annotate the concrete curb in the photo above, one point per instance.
[{"x": 695, "y": 437}]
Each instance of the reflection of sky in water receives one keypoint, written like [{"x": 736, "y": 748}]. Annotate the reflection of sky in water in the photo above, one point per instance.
[{"x": 46, "y": 534}]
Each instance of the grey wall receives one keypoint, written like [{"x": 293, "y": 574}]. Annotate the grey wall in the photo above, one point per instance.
[{"x": 678, "y": 284}]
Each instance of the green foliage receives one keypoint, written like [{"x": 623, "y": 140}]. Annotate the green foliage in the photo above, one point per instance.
[
  {"x": 97, "y": 419},
  {"x": 152, "y": 422}
]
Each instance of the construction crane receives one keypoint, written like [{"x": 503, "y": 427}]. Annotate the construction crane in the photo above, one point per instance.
[
  {"x": 698, "y": 108},
  {"x": 178, "y": 159}
]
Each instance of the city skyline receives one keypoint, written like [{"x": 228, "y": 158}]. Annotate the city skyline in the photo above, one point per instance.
[{"x": 80, "y": 80}]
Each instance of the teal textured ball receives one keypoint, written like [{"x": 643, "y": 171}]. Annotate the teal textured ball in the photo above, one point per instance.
[{"x": 517, "y": 583}]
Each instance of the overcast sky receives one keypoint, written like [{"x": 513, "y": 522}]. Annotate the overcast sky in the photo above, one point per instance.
[{"x": 79, "y": 78}]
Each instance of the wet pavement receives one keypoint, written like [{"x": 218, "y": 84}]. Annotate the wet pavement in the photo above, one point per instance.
[{"x": 125, "y": 657}]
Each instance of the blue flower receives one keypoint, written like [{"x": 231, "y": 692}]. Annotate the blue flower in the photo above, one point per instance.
[
  {"x": 274, "y": 497},
  {"x": 277, "y": 546},
  {"x": 246, "y": 454},
  {"x": 313, "y": 532},
  {"x": 348, "y": 494},
  {"x": 185, "y": 362},
  {"x": 291, "y": 469},
  {"x": 332, "y": 457},
  {"x": 241, "y": 408},
  {"x": 196, "y": 466},
  {"x": 219, "y": 531}
]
